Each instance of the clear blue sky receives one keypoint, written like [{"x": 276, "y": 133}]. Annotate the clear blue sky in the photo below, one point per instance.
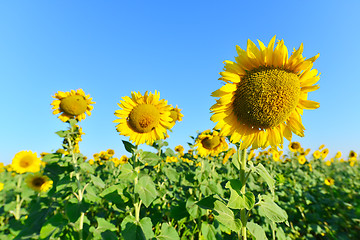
[{"x": 110, "y": 48}]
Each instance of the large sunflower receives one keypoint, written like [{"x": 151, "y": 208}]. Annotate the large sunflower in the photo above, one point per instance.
[
  {"x": 210, "y": 143},
  {"x": 39, "y": 182},
  {"x": 264, "y": 95},
  {"x": 144, "y": 118},
  {"x": 26, "y": 161},
  {"x": 73, "y": 104}
]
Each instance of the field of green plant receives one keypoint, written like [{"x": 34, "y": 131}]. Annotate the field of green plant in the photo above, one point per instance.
[{"x": 172, "y": 194}]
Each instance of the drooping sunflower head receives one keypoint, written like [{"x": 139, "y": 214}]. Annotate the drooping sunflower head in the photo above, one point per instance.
[
  {"x": 264, "y": 95},
  {"x": 144, "y": 118},
  {"x": 210, "y": 143},
  {"x": 26, "y": 161},
  {"x": 294, "y": 146},
  {"x": 73, "y": 104},
  {"x": 39, "y": 182}
]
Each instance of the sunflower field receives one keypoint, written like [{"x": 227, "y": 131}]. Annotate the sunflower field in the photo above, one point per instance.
[{"x": 236, "y": 181}]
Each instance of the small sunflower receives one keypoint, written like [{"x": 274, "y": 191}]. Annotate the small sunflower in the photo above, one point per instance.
[
  {"x": 144, "y": 118},
  {"x": 176, "y": 115},
  {"x": 39, "y": 182},
  {"x": 110, "y": 152},
  {"x": 264, "y": 95},
  {"x": 317, "y": 154},
  {"x": 294, "y": 146},
  {"x": 353, "y": 154},
  {"x": 1, "y": 186},
  {"x": 124, "y": 159},
  {"x": 338, "y": 154},
  {"x": 26, "y": 161},
  {"x": 180, "y": 149},
  {"x": 329, "y": 181},
  {"x": 210, "y": 143},
  {"x": 302, "y": 159},
  {"x": 324, "y": 153},
  {"x": 73, "y": 104}
]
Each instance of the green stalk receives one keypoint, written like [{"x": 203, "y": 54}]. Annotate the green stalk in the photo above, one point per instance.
[
  {"x": 137, "y": 203},
  {"x": 243, "y": 214},
  {"x": 78, "y": 182},
  {"x": 18, "y": 199}
]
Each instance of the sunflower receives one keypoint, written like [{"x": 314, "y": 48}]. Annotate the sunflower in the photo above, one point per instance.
[
  {"x": 329, "y": 181},
  {"x": 338, "y": 154},
  {"x": 324, "y": 153},
  {"x": 316, "y": 154},
  {"x": 26, "y": 161},
  {"x": 39, "y": 182},
  {"x": 302, "y": 159},
  {"x": 73, "y": 104},
  {"x": 264, "y": 95},
  {"x": 176, "y": 115},
  {"x": 210, "y": 143},
  {"x": 1, "y": 186},
  {"x": 180, "y": 149},
  {"x": 144, "y": 118},
  {"x": 294, "y": 146}
]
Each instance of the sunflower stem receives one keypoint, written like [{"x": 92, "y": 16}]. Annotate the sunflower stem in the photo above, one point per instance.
[
  {"x": 18, "y": 199},
  {"x": 78, "y": 182},
  {"x": 137, "y": 203},
  {"x": 243, "y": 178}
]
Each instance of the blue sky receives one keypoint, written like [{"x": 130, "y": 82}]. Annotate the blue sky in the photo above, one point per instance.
[{"x": 110, "y": 48}]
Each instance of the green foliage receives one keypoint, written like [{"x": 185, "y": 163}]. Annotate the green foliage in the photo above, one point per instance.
[{"x": 154, "y": 196}]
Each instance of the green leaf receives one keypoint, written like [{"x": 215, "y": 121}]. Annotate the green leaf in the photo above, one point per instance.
[
  {"x": 128, "y": 146},
  {"x": 256, "y": 231},
  {"x": 85, "y": 166},
  {"x": 62, "y": 134},
  {"x": 97, "y": 181},
  {"x": 168, "y": 233},
  {"x": 235, "y": 160},
  {"x": 271, "y": 210},
  {"x": 225, "y": 216},
  {"x": 104, "y": 225},
  {"x": 172, "y": 174},
  {"x": 207, "y": 203},
  {"x": 150, "y": 158},
  {"x": 127, "y": 172},
  {"x": 209, "y": 232},
  {"x": 113, "y": 194},
  {"x": 261, "y": 170},
  {"x": 249, "y": 200},
  {"x": 236, "y": 200},
  {"x": 146, "y": 190},
  {"x": 146, "y": 226},
  {"x": 53, "y": 225},
  {"x": 131, "y": 230},
  {"x": 73, "y": 211},
  {"x": 193, "y": 209}
]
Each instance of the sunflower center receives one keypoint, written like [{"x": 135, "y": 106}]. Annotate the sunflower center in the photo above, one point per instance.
[
  {"x": 144, "y": 118},
  {"x": 266, "y": 96},
  {"x": 38, "y": 182},
  {"x": 174, "y": 115},
  {"x": 25, "y": 162},
  {"x": 295, "y": 145},
  {"x": 211, "y": 143},
  {"x": 73, "y": 105}
]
